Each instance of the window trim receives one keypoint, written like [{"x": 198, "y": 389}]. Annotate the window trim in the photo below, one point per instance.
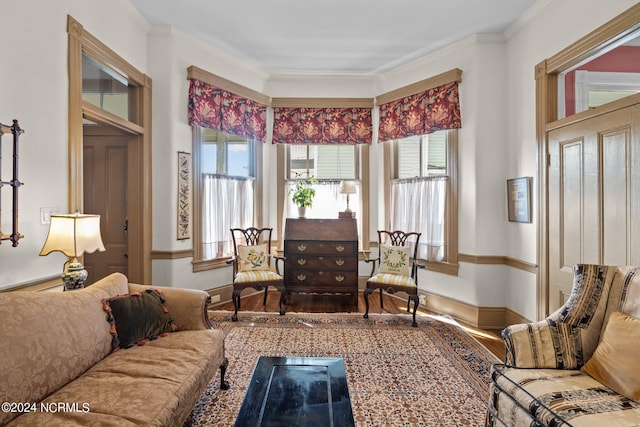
[
  {"x": 140, "y": 235},
  {"x": 451, "y": 265},
  {"x": 198, "y": 263}
]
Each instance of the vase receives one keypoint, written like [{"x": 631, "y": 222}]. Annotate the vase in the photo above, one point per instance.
[{"x": 302, "y": 210}]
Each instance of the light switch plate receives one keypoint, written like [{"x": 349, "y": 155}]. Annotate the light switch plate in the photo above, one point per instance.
[{"x": 45, "y": 215}]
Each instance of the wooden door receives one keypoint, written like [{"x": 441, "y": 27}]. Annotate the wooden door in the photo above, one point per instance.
[
  {"x": 105, "y": 193},
  {"x": 594, "y": 196}
]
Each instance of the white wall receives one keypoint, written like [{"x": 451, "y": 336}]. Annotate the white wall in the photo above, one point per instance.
[
  {"x": 545, "y": 30},
  {"x": 497, "y": 140},
  {"x": 34, "y": 90}
]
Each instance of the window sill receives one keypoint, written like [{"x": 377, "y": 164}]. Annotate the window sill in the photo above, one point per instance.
[
  {"x": 210, "y": 264},
  {"x": 442, "y": 267}
]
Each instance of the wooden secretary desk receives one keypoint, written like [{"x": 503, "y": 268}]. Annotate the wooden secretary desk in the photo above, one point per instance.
[{"x": 321, "y": 256}]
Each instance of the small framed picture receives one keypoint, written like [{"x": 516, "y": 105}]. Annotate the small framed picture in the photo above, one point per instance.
[
  {"x": 184, "y": 195},
  {"x": 519, "y": 199}
]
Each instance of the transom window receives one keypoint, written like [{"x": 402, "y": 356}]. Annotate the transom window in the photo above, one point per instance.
[{"x": 107, "y": 89}]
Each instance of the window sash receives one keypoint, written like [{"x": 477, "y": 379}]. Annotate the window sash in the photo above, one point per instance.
[
  {"x": 324, "y": 162},
  {"x": 227, "y": 202},
  {"x": 449, "y": 263},
  {"x": 327, "y": 203},
  {"x": 236, "y": 201},
  {"x": 424, "y": 155},
  {"x": 418, "y": 204}
]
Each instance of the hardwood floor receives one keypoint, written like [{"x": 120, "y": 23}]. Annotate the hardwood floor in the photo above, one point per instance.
[{"x": 344, "y": 304}]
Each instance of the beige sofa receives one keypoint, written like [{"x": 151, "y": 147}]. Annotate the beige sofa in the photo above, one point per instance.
[
  {"x": 580, "y": 366},
  {"x": 57, "y": 367}
]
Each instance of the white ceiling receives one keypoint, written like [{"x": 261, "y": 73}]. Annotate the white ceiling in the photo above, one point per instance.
[{"x": 333, "y": 36}]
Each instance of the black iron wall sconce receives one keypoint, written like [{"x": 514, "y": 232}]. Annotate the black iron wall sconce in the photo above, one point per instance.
[{"x": 15, "y": 183}]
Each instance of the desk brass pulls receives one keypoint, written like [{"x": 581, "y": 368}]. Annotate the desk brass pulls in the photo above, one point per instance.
[
  {"x": 339, "y": 248},
  {"x": 339, "y": 278},
  {"x": 302, "y": 261},
  {"x": 339, "y": 261},
  {"x": 301, "y": 277},
  {"x": 302, "y": 247}
]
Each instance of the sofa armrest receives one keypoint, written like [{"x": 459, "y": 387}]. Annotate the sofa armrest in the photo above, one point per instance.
[
  {"x": 543, "y": 344},
  {"x": 187, "y": 307},
  {"x": 567, "y": 338}
]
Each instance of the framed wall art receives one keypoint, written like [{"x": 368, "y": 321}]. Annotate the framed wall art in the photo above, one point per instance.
[
  {"x": 519, "y": 199},
  {"x": 184, "y": 195}
]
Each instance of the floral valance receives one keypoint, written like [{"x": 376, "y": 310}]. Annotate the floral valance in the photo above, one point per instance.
[
  {"x": 304, "y": 125},
  {"x": 221, "y": 110},
  {"x": 421, "y": 113}
]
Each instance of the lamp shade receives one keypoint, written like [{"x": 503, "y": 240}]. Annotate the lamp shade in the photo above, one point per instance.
[
  {"x": 348, "y": 187},
  {"x": 73, "y": 235}
]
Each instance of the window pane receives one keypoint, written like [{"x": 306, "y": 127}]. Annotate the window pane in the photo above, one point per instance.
[
  {"x": 209, "y": 158},
  {"x": 601, "y": 97},
  {"x": 105, "y": 88},
  {"x": 409, "y": 157},
  {"x": 238, "y": 160},
  {"x": 301, "y": 161},
  {"x": 422, "y": 155},
  {"x": 226, "y": 154},
  {"x": 436, "y": 153},
  {"x": 322, "y": 161},
  {"x": 336, "y": 162},
  {"x": 605, "y": 77}
]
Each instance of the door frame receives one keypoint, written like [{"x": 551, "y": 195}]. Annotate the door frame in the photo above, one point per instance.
[
  {"x": 546, "y": 75},
  {"x": 139, "y": 152}
]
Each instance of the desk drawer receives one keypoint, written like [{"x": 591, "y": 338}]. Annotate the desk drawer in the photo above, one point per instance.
[
  {"x": 321, "y": 248},
  {"x": 330, "y": 278},
  {"x": 322, "y": 262}
]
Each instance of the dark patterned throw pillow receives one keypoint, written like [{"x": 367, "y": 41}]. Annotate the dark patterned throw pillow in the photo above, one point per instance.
[{"x": 137, "y": 317}]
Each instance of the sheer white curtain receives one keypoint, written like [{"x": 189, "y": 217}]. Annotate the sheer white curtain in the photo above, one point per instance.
[
  {"x": 417, "y": 204},
  {"x": 227, "y": 202},
  {"x": 327, "y": 202}
]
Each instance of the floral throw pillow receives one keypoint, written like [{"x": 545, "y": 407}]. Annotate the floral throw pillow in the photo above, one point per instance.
[
  {"x": 395, "y": 260},
  {"x": 252, "y": 258}
]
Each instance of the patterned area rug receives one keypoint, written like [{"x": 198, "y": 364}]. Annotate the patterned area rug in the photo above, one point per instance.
[{"x": 433, "y": 375}]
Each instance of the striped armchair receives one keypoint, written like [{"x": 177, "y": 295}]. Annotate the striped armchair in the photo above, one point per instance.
[{"x": 544, "y": 380}]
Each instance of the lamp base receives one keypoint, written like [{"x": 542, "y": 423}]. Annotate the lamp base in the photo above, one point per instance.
[{"x": 74, "y": 275}]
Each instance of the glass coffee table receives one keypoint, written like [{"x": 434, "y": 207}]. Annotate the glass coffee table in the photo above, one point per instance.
[{"x": 297, "y": 391}]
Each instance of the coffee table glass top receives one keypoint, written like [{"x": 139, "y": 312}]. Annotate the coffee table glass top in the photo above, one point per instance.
[{"x": 297, "y": 391}]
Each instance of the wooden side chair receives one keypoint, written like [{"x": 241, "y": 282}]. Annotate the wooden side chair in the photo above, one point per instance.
[
  {"x": 397, "y": 268},
  {"x": 253, "y": 266}
]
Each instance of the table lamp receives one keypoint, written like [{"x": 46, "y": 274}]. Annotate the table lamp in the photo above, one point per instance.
[
  {"x": 348, "y": 187},
  {"x": 73, "y": 235}
]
